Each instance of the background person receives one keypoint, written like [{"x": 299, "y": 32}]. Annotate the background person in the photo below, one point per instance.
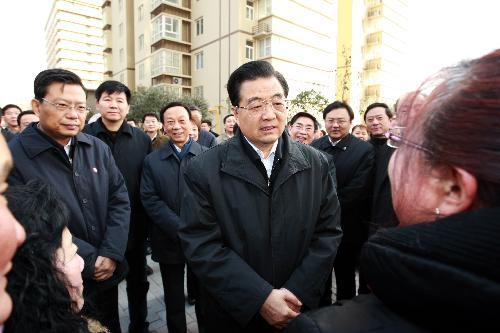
[
  {"x": 45, "y": 282},
  {"x": 25, "y": 118},
  {"x": 229, "y": 122},
  {"x": 361, "y": 132},
  {"x": 302, "y": 127},
  {"x": 12, "y": 235},
  {"x": 439, "y": 272}
]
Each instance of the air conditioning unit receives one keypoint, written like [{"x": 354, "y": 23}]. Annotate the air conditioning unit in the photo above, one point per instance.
[{"x": 177, "y": 80}]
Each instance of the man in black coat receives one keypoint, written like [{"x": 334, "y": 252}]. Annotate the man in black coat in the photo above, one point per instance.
[
  {"x": 378, "y": 121},
  {"x": 260, "y": 218},
  {"x": 129, "y": 146},
  {"x": 9, "y": 113},
  {"x": 162, "y": 189},
  {"x": 83, "y": 171},
  {"x": 354, "y": 160},
  {"x": 205, "y": 138}
]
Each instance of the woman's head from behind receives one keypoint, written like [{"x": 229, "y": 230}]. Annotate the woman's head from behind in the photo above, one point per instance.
[
  {"x": 46, "y": 274},
  {"x": 449, "y": 143}
]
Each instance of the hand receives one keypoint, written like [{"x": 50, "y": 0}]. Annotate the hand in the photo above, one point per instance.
[
  {"x": 104, "y": 268},
  {"x": 277, "y": 309}
]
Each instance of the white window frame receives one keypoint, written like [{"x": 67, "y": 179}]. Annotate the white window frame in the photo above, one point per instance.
[
  {"x": 166, "y": 61},
  {"x": 198, "y": 91},
  {"x": 140, "y": 12},
  {"x": 249, "y": 50},
  {"x": 249, "y": 10},
  {"x": 265, "y": 47},
  {"x": 199, "y": 26},
  {"x": 199, "y": 60},
  {"x": 165, "y": 26},
  {"x": 141, "y": 42}
]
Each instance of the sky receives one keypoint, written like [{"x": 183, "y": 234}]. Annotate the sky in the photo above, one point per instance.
[{"x": 441, "y": 33}]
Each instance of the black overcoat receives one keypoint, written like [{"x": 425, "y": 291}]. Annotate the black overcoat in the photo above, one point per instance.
[
  {"x": 162, "y": 187},
  {"x": 91, "y": 186},
  {"x": 244, "y": 236}
]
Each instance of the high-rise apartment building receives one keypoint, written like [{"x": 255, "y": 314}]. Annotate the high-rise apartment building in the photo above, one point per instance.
[
  {"x": 371, "y": 51},
  {"x": 74, "y": 39},
  {"x": 192, "y": 46}
]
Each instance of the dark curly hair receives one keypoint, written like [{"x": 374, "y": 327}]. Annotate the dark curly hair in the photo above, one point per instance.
[{"x": 41, "y": 300}]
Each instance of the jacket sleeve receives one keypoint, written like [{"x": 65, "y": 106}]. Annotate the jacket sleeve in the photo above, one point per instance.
[
  {"x": 157, "y": 210},
  {"x": 115, "y": 238},
  {"x": 225, "y": 275},
  {"x": 360, "y": 185},
  {"x": 308, "y": 280}
]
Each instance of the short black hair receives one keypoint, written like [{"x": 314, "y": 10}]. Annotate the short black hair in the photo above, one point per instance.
[
  {"x": 227, "y": 116},
  {"x": 9, "y": 106},
  {"x": 23, "y": 113},
  {"x": 307, "y": 115},
  {"x": 209, "y": 122},
  {"x": 251, "y": 71},
  {"x": 171, "y": 105},
  {"x": 55, "y": 75},
  {"x": 149, "y": 114},
  {"x": 388, "y": 111},
  {"x": 112, "y": 87},
  {"x": 338, "y": 105}
]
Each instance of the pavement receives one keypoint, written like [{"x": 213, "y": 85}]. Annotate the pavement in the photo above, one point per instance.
[{"x": 156, "y": 305}]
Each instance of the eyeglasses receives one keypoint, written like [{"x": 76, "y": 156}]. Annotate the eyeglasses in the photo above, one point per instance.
[
  {"x": 258, "y": 106},
  {"x": 63, "y": 107},
  {"x": 300, "y": 127},
  {"x": 395, "y": 139},
  {"x": 340, "y": 122}
]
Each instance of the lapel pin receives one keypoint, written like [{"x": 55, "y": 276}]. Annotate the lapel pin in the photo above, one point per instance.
[{"x": 94, "y": 170}]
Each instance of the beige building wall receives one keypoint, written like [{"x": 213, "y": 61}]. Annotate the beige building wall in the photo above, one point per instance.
[
  {"x": 75, "y": 39},
  {"x": 142, "y": 38},
  {"x": 384, "y": 50}
]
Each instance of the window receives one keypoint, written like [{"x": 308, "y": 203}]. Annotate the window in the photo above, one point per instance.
[
  {"x": 141, "y": 42},
  {"x": 120, "y": 29},
  {"x": 249, "y": 50},
  {"x": 198, "y": 91},
  {"x": 265, "y": 47},
  {"x": 264, "y": 8},
  {"x": 199, "y": 60},
  {"x": 175, "y": 2},
  {"x": 249, "y": 10},
  {"x": 141, "y": 72},
  {"x": 166, "y": 62},
  {"x": 122, "y": 53},
  {"x": 199, "y": 26},
  {"x": 140, "y": 12},
  {"x": 165, "y": 27}
]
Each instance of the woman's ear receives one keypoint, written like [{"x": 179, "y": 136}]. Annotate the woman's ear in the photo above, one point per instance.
[{"x": 460, "y": 190}]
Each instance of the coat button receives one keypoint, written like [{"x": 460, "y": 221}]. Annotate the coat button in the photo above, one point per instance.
[
  {"x": 77, "y": 174},
  {"x": 93, "y": 228},
  {"x": 84, "y": 201}
]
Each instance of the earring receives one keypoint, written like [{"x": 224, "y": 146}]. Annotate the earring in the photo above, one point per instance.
[{"x": 437, "y": 212}]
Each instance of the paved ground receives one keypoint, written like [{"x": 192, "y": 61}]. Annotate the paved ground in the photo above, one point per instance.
[{"x": 156, "y": 305}]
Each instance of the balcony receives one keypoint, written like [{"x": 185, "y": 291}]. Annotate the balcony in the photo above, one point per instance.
[
  {"x": 166, "y": 62},
  {"x": 108, "y": 40},
  {"x": 106, "y": 18},
  {"x": 261, "y": 29},
  {"x": 178, "y": 7}
]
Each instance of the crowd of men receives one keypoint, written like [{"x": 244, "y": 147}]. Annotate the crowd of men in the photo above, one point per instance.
[{"x": 260, "y": 214}]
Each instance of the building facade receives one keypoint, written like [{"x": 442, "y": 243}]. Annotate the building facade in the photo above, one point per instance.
[
  {"x": 74, "y": 38},
  {"x": 192, "y": 46}
]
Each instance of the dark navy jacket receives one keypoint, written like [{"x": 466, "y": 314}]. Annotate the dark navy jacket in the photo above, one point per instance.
[
  {"x": 91, "y": 186},
  {"x": 162, "y": 188},
  {"x": 129, "y": 147}
]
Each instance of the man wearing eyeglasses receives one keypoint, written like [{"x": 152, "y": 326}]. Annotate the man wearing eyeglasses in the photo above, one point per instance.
[
  {"x": 354, "y": 161},
  {"x": 261, "y": 216},
  {"x": 83, "y": 171}
]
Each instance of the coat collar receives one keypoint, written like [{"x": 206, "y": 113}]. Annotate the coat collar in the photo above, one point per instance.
[
  {"x": 344, "y": 144},
  {"x": 166, "y": 150},
  {"x": 101, "y": 128},
  {"x": 34, "y": 141},
  {"x": 237, "y": 162}
]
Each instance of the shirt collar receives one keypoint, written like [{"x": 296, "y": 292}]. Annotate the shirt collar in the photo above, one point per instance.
[
  {"x": 333, "y": 143},
  {"x": 259, "y": 152}
]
